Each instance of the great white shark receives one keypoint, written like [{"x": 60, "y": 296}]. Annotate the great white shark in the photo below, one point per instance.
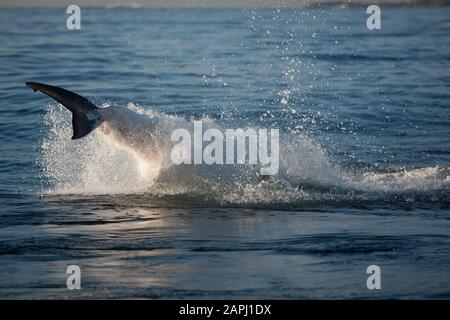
[
  {"x": 137, "y": 133},
  {"x": 148, "y": 137}
]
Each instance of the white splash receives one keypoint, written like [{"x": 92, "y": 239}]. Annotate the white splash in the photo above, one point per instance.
[{"x": 97, "y": 164}]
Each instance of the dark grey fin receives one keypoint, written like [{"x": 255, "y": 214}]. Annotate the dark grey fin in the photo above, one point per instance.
[{"x": 85, "y": 115}]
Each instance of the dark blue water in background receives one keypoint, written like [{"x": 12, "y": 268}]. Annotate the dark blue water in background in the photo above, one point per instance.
[{"x": 369, "y": 175}]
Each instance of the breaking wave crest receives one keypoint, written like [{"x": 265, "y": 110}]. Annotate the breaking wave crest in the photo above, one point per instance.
[{"x": 98, "y": 165}]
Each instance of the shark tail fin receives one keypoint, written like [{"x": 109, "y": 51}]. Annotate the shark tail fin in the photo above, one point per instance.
[{"x": 85, "y": 115}]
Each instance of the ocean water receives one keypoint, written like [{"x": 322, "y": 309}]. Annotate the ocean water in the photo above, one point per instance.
[{"x": 365, "y": 155}]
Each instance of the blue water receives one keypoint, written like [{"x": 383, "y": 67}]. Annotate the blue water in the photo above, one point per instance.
[{"x": 365, "y": 175}]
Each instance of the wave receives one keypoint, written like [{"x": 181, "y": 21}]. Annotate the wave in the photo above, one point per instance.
[{"x": 96, "y": 165}]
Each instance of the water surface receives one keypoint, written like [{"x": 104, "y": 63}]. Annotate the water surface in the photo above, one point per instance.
[{"x": 365, "y": 155}]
